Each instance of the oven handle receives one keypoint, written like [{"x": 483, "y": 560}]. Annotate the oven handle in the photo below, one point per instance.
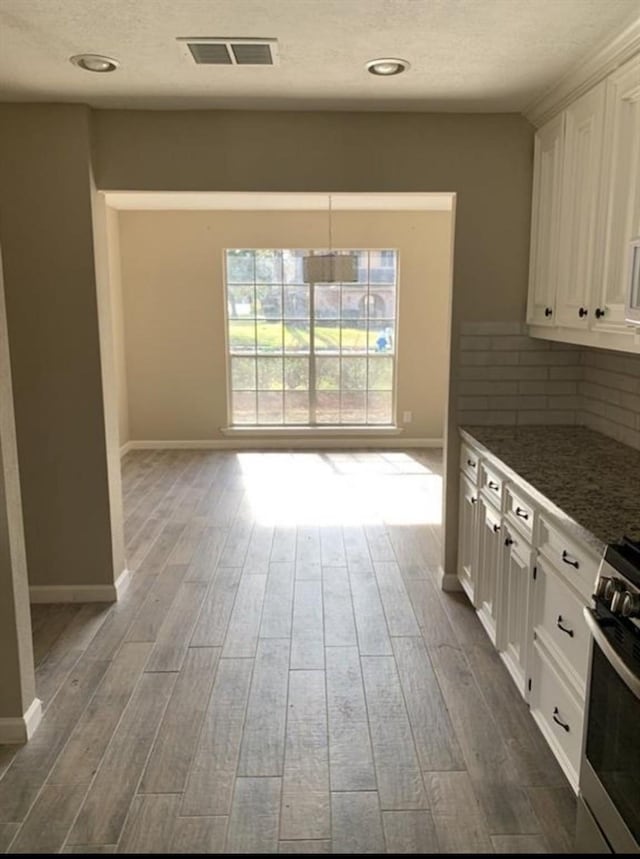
[{"x": 617, "y": 663}]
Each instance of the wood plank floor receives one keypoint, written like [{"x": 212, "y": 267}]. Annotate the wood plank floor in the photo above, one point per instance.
[{"x": 281, "y": 674}]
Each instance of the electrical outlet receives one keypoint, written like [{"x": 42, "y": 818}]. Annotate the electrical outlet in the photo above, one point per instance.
[{"x": 406, "y": 417}]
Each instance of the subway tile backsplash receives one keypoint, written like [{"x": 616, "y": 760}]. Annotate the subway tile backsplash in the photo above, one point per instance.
[
  {"x": 506, "y": 377},
  {"x": 610, "y": 394}
]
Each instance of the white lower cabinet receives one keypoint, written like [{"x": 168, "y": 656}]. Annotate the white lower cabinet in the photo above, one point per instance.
[
  {"x": 467, "y": 534},
  {"x": 528, "y": 582},
  {"x": 558, "y": 712},
  {"x": 489, "y": 568},
  {"x": 559, "y": 624},
  {"x": 513, "y": 639}
]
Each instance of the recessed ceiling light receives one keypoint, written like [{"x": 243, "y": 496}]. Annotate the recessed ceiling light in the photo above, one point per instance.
[
  {"x": 94, "y": 63},
  {"x": 387, "y": 66}
]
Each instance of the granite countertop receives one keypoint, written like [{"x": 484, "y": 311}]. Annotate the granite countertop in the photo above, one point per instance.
[{"x": 589, "y": 481}]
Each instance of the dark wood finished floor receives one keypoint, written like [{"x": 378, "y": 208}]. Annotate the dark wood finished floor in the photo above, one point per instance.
[{"x": 280, "y": 675}]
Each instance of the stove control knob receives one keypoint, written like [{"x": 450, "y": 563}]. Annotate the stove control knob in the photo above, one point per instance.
[
  {"x": 613, "y": 587},
  {"x": 601, "y": 585},
  {"x": 616, "y": 602},
  {"x": 630, "y": 606}
]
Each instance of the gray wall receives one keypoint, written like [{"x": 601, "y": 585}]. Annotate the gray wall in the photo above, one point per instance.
[
  {"x": 46, "y": 229},
  {"x": 50, "y": 283},
  {"x": 174, "y": 318},
  {"x": 486, "y": 159},
  {"x": 16, "y": 649}
]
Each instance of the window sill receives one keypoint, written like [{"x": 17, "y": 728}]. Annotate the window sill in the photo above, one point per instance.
[{"x": 293, "y": 432}]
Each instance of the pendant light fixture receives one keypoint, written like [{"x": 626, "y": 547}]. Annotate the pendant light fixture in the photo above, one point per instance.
[{"x": 331, "y": 267}]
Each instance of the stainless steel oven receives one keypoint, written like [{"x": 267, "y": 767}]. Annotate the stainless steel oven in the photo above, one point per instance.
[
  {"x": 633, "y": 287},
  {"x": 609, "y": 796}
]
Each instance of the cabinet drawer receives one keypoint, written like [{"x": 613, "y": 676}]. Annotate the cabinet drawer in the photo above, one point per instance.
[
  {"x": 558, "y": 621},
  {"x": 469, "y": 462},
  {"x": 572, "y": 560},
  {"x": 519, "y": 511},
  {"x": 558, "y": 713},
  {"x": 491, "y": 482}
]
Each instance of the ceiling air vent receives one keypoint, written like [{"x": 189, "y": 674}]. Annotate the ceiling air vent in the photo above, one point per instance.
[
  {"x": 231, "y": 52},
  {"x": 210, "y": 53}
]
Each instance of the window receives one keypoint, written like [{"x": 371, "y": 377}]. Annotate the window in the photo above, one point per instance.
[{"x": 310, "y": 354}]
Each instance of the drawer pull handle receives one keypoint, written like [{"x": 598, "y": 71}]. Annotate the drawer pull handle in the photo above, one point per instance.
[
  {"x": 521, "y": 513},
  {"x": 567, "y": 559},
  {"x": 563, "y": 628},
  {"x": 471, "y": 463},
  {"x": 508, "y": 542},
  {"x": 493, "y": 485},
  {"x": 473, "y": 500},
  {"x": 558, "y": 721},
  {"x": 496, "y": 528}
]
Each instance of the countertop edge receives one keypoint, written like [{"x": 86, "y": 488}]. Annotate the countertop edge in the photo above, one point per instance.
[{"x": 562, "y": 520}]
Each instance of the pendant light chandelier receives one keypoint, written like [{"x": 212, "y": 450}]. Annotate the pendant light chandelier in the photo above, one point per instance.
[{"x": 330, "y": 267}]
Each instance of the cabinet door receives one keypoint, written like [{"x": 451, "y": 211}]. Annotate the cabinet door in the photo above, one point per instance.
[
  {"x": 559, "y": 626},
  {"x": 559, "y": 714},
  {"x": 584, "y": 123},
  {"x": 620, "y": 195},
  {"x": 514, "y": 614},
  {"x": 467, "y": 538},
  {"x": 545, "y": 218},
  {"x": 488, "y": 575}
]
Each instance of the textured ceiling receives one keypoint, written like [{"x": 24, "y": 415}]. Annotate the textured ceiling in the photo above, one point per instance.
[{"x": 467, "y": 55}]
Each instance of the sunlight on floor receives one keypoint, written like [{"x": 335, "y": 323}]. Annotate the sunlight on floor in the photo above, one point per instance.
[{"x": 341, "y": 489}]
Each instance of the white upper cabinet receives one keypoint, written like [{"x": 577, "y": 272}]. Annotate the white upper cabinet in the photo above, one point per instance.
[
  {"x": 584, "y": 123},
  {"x": 586, "y": 210},
  {"x": 620, "y": 196},
  {"x": 547, "y": 172}
]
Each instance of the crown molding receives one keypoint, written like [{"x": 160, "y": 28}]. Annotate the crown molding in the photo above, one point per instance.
[{"x": 585, "y": 75}]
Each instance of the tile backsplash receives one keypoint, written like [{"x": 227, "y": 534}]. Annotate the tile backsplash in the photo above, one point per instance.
[
  {"x": 506, "y": 377},
  {"x": 610, "y": 394}
]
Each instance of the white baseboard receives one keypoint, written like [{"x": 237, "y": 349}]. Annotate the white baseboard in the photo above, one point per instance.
[
  {"x": 72, "y": 593},
  {"x": 448, "y": 581},
  {"x": 125, "y": 448},
  {"x": 21, "y": 728},
  {"x": 258, "y": 442},
  {"x": 122, "y": 582},
  {"x": 79, "y": 593}
]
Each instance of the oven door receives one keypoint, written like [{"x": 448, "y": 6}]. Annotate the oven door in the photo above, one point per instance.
[
  {"x": 610, "y": 772},
  {"x": 633, "y": 294}
]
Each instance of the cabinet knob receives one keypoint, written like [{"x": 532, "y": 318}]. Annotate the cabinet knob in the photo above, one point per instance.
[
  {"x": 566, "y": 629},
  {"x": 600, "y": 312},
  {"x": 508, "y": 542},
  {"x": 496, "y": 528},
  {"x": 568, "y": 560},
  {"x": 582, "y": 312},
  {"x": 558, "y": 720},
  {"x": 548, "y": 311}
]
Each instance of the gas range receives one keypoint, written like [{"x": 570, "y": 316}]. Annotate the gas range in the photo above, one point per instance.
[
  {"x": 617, "y": 590},
  {"x": 609, "y": 798}
]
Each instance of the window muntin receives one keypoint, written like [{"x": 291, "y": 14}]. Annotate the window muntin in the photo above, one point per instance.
[{"x": 310, "y": 354}]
